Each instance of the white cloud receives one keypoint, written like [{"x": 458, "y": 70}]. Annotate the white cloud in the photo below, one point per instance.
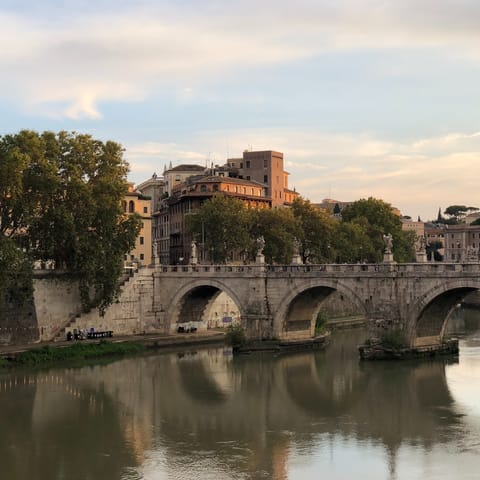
[{"x": 71, "y": 66}]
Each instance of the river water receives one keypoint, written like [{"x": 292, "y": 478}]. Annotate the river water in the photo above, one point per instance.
[{"x": 206, "y": 415}]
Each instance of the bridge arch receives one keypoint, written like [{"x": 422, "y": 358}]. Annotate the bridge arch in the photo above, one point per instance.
[
  {"x": 192, "y": 301},
  {"x": 297, "y": 312},
  {"x": 430, "y": 313}
]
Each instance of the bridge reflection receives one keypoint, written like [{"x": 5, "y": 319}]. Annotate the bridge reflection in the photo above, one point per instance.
[{"x": 209, "y": 410}]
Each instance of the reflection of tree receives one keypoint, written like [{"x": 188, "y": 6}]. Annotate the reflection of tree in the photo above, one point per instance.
[
  {"x": 82, "y": 438},
  {"x": 214, "y": 412}
]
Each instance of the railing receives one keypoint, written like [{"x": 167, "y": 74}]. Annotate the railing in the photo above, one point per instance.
[{"x": 356, "y": 268}]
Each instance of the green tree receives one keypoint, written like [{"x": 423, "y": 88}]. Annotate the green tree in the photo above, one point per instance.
[
  {"x": 222, "y": 223},
  {"x": 315, "y": 230},
  {"x": 350, "y": 243},
  {"x": 61, "y": 200},
  {"x": 377, "y": 218},
  {"x": 455, "y": 213},
  {"x": 279, "y": 228}
]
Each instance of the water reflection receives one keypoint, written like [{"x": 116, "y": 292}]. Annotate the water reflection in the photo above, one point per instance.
[{"x": 256, "y": 416}]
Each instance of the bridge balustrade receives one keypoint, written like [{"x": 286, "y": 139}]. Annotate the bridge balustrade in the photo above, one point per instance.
[{"x": 411, "y": 268}]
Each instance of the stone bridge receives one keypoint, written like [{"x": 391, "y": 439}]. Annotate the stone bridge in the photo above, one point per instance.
[{"x": 283, "y": 301}]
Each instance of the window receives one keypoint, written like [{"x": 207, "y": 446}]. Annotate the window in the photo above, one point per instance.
[
  {"x": 124, "y": 206},
  {"x": 248, "y": 177},
  {"x": 142, "y": 256},
  {"x": 265, "y": 179},
  {"x": 142, "y": 240},
  {"x": 215, "y": 187},
  {"x": 203, "y": 188},
  {"x": 145, "y": 209},
  {"x": 247, "y": 164},
  {"x": 265, "y": 162},
  {"x": 131, "y": 206},
  {"x": 241, "y": 165}
]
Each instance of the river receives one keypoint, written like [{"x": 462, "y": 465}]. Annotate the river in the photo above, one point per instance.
[{"x": 207, "y": 415}]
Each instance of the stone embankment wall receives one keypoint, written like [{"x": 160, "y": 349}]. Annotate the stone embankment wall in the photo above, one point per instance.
[
  {"x": 18, "y": 325},
  {"x": 59, "y": 308}
]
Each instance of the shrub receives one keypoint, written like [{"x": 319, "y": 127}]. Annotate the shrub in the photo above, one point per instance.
[
  {"x": 235, "y": 335},
  {"x": 321, "y": 323},
  {"x": 394, "y": 340}
]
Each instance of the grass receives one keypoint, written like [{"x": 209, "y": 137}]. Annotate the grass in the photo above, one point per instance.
[{"x": 76, "y": 352}]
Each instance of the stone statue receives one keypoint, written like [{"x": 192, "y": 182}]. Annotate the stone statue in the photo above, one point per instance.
[
  {"x": 194, "y": 249},
  {"x": 388, "y": 241},
  {"x": 296, "y": 247},
  {"x": 260, "y": 245},
  {"x": 421, "y": 243}
]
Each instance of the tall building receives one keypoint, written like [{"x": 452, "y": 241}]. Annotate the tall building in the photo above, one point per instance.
[{"x": 265, "y": 167}]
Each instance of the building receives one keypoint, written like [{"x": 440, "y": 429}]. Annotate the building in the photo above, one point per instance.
[
  {"x": 189, "y": 196},
  {"x": 135, "y": 202},
  {"x": 462, "y": 243},
  {"x": 333, "y": 207},
  {"x": 154, "y": 188},
  {"x": 415, "y": 226},
  {"x": 265, "y": 167},
  {"x": 257, "y": 178},
  {"x": 176, "y": 175}
]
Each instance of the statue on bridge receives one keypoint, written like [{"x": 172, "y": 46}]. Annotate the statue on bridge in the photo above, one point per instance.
[
  {"x": 296, "y": 259},
  {"x": 260, "y": 242},
  {"x": 388, "y": 255},
  {"x": 388, "y": 241},
  {"x": 193, "y": 254}
]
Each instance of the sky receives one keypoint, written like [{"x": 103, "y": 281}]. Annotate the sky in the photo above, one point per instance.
[{"x": 364, "y": 97}]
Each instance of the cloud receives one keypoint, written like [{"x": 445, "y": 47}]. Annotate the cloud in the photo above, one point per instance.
[{"x": 69, "y": 66}]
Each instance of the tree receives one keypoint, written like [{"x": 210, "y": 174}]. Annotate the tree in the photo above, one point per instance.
[
  {"x": 279, "y": 228},
  {"x": 223, "y": 223},
  {"x": 61, "y": 200},
  {"x": 377, "y": 218},
  {"x": 315, "y": 229}
]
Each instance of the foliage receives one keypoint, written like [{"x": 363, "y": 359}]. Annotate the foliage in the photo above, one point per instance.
[
  {"x": 279, "y": 229},
  {"x": 377, "y": 218},
  {"x": 476, "y": 222},
  {"x": 223, "y": 224},
  {"x": 16, "y": 284},
  {"x": 315, "y": 232},
  {"x": 60, "y": 200},
  {"x": 434, "y": 246},
  {"x": 321, "y": 323},
  {"x": 394, "y": 340},
  {"x": 457, "y": 213},
  {"x": 235, "y": 336}
]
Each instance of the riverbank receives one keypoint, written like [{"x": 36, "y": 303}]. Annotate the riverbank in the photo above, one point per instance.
[{"x": 52, "y": 352}]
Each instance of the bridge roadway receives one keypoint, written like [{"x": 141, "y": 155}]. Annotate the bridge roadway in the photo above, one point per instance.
[{"x": 283, "y": 301}]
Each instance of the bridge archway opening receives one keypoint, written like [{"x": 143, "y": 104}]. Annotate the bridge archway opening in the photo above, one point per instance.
[
  {"x": 303, "y": 310},
  {"x": 205, "y": 307},
  {"x": 431, "y": 323}
]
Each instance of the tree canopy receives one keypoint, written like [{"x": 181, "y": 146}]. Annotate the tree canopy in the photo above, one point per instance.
[
  {"x": 60, "y": 200},
  {"x": 228, "y": 225}
]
